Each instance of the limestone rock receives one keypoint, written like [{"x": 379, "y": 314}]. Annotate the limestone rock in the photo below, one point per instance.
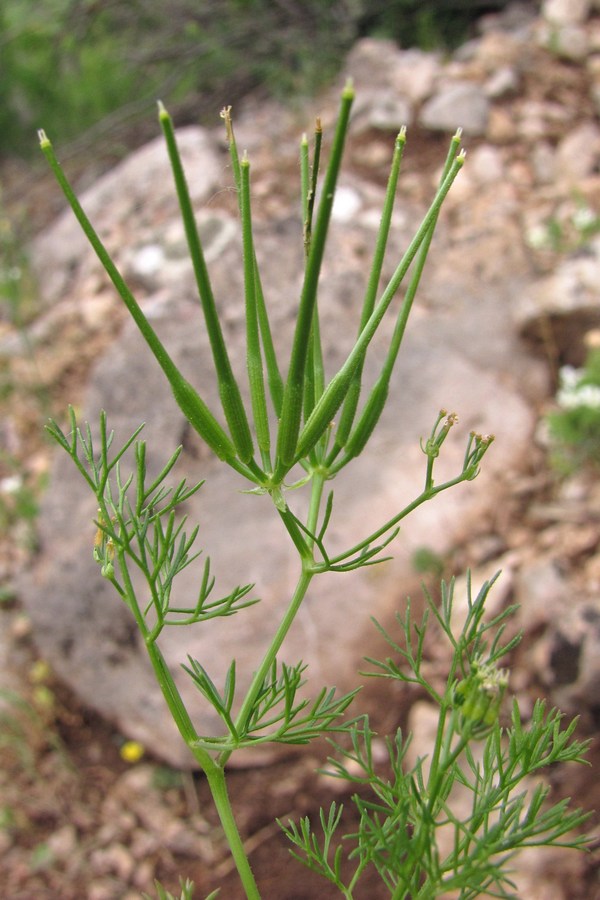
[
  {"x": 415, "y": 74},
  {"x": 388, "y": 111},
  {"x": 457, "y": 354},
  {"x": 566, "y": 12},
  {"x": 563, "y": 306},
  {"x": 61, "y": 253},
  {"x": 578, "y": 154},
  {"x": 462, "y": 104},
  {"x": 569, "y": 41},
  {"x": 567, "y": 657}
]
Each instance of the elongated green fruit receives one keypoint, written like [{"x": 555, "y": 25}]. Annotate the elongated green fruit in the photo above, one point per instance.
[
  {"x": 351, "y": 401},
  {"x": 312, "y": 190},
  {"x": 368, "y": 419},
  {"x": 229, "y": 392},
  {"x": 355, "y": 444},
  {"x": 339, "y": 385},
  {"x": 374, "y": 406},
  {"x": 274, "y": 379},
  {"x": 291, "y": 413},
  {"x": 304, "y": 176},
  {"x": 189, "y": 401},
  {"x": 253, "y": 353}
]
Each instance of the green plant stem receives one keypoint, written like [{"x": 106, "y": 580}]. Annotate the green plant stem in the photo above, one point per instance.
[
  {"x": 218, "y": 787},
  {"x": 443, "y": 758},
  {"x": 214, "y": 771},
  {"x": 269, "y": 657},
  {"x": 316, "y": 495},
  {"x": 306, "y": 576}
]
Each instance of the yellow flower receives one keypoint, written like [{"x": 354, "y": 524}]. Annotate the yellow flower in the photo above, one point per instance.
[{"x": 132, "y": 751}]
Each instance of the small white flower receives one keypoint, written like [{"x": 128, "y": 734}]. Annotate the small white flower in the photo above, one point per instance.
[
  {"x": 572, "y": 393},
  {"x": 584, "y": 218},
  {"x": 589, "y": 395},
  {"x": 570, "y": 377},
  {"x": 538, "y": 237}
]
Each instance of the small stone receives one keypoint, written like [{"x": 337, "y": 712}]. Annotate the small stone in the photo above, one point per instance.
[
  {"x": 567, "y": 41},
  {"x": 114, "y": 859},
  {"x": 461, "y": 104},
  {"x": 543, "y": 159},
  {"x": 102, "y": 890},
  {"x": 143, "y": 844},
  {"x": 541, "y": 592},
  {"x": 144, "y": 875},
  {"x": 21, "y": 627},
  {"x": 504, "y": 81},
  {"x": 389, "y": 111},
  {"x": 566, "y": 12},
  {"x": 63, "y": 842},
  {"x": 371, "y": 60},
  {"x": 148, "y": 260},
  {"x": 578, "y": 154},
  {"x": 501, "y": 126},
  {"x": 346, "y": 204},
  {"x": 565, "y": 302},
  {"x": 415, "y": 73},
  {"x": 485, "y": 164}
]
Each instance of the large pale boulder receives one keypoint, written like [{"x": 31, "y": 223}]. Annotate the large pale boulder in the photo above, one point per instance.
[{"x": 460, "y": 353}]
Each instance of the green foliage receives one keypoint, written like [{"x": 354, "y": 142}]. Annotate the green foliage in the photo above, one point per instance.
[
  {"x": 429, "y": 24},
  {"x": 567, "y": 233},
  {"x": 17, "y": 285},
  {"x": 27, "y": 727},
  {"x": 78, "y": 62},
  {"x": 451, "y": 821},
  {"x": 427, "y": 561},
  {"x": 187, "y": 888},
  {"x": 94, "y": 66},
  {"x": 575, "y": 425}
]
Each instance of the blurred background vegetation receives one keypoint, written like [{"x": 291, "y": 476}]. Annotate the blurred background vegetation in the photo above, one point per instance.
[{"x": 84, "y": 69}]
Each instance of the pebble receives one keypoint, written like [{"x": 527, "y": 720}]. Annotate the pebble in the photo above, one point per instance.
[
  {"x": 346, "y": 204},
  {"x": 114, "y": 859},
  {"x": 578, "y": 154},
  {"x": 63, "y": 842},
  {"x": 503, "y": 82},
  {"x": 104, "y": 889},
  {"x": 566, "y": 12},
  {"x": 389, "y": 112},
  {"x": 461, "y": 104},
  {"x": 415, "y": 73},
  {"x": 485, "y": 164}
]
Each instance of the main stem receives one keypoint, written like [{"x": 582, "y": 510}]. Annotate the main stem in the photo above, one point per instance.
[
  {"x": 269, "y": 657},
  {"x": 306, "y": 576},
  {"x": 214, "y": 771}
]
